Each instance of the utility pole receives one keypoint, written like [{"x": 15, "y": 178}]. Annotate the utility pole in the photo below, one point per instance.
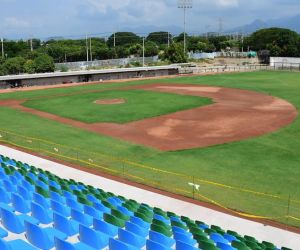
[
  {"x": 143, "y": 51},
  {"x": 2, "y": 47},
  {"x": 168, "y": 39},
  {"x": 184, "y": 4},
  {"x": 242, "y": 42},
  {"x": 87, "y": 48},
  {"x": 91, "y": 54},
  {"x": 31, "y": 45},
  {"x": 114, "y": 39}
]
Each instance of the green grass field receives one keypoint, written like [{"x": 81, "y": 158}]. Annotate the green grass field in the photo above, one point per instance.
[
  {"x": 268, "y": 164},
  {"x": 139, "y": 104}
]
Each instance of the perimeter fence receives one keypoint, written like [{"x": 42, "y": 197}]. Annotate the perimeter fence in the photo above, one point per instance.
[
  {"x": 240, "y": 68},
  {"x": 241, "y": 201}
]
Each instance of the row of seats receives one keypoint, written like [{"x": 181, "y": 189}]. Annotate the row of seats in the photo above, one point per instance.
[{"x": 56, "y": 213}]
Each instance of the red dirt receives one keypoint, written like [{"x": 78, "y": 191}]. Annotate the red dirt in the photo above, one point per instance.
[
  {"x": 236, "y": 115},
  {"x": 110, "y": 101}
]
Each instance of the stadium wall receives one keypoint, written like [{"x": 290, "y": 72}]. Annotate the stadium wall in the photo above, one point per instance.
[{"x": 85, "y": 76}]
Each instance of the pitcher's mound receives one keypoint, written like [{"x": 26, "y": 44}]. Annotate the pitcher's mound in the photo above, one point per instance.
[{"x": 110, "y": 101}]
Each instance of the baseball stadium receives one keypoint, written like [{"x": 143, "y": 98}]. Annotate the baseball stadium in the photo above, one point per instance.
[{"x": 223, "y": 142}]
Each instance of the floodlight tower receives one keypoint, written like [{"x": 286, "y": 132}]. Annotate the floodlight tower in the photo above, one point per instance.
[{"x": 184, "y": 4}]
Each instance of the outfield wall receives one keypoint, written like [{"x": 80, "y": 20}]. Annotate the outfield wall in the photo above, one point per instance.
[
  {"x": 285, "y": 62},
  {"x": 85, "y": 76}
]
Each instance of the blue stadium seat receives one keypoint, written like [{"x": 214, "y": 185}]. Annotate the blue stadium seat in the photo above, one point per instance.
[
  {"x": 20, "y": 204},
  {"x": 218, "y": 238},
  {"x": 57, "y": 197},
  {"x": 118, "y": 245},
  {"x": 105, "y": 227},
  {"x": 26, "y": 194},
  {"x": 4, "y": 196},
  {"x": 25, "y": 184},
  {"x": 140, "y": 222},
  {"x": 93, "y": 212},
  {"x": 42, "y": 237},
  {"x": 68, "y": 226},
  {"x": 9, "y": 187},
  {"x": 64, "y": 245},
  {"x": 93, "y": 238},
  {"x": 114, "y": 201},
  {"x": 39, "y": 212},
  {"x": 99, "y": 206},
  {"x": 54, "y": 184},
  {"x": 91, "y": 198},
  {"x": 162, "y": 239},
  {"x": 15, "y": 223},
  {"x": 181, "y": 230},
  {"x": 15, "y": 245},
  {"x": 229, "y": 237},
  {"x": 152, "y": 245},
  {"x": 223, "y": 246},
  {"x": 161, "y": 218},
  {"x": 184, "y": 246},
  {"x": 3, "y": 233},
  {"x": 125, "y": 211},
  {"x": 60, "y": 208},
  {"x": 131, "y": 238},
  {"x": 136, "y": 229},
  {"x": 41, "y": 200},
  {"x": 69, "y": 195},
  {"x": 73, "y": 204},
  {"x": 184, "y": 238},
  {"x": 82, "y": 218}
]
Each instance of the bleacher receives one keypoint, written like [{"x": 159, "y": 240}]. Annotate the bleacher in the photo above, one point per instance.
[{"x": 40, "y": 210}]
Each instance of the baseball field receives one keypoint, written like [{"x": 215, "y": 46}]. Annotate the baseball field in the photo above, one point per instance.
[{"x": 227, "y": 139}]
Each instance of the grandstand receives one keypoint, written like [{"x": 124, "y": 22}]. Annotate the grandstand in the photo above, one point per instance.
[{"x": 41, "y": 210}]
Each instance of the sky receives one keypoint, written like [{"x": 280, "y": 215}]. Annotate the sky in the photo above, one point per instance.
[{"x": 47, "y": 18}]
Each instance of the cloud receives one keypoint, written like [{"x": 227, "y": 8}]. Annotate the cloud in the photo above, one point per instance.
[
  {"x": 68, "y": 17},
  {"x": 14, "y": 22}
]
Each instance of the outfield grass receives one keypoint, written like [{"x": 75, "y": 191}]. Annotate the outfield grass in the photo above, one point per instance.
[
  {"x": 139, "y": 104},
  {"x": 269, "y": 164}
]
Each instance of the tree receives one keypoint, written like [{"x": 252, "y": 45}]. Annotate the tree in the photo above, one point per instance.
[
  {"x": 201, "y": 47},
  {"x": 180, "y": 38},
  {"x": 274, "y": 49},
  {"x": 14, "y": 66},
  {"x": 216, "y": 42},
  {"x": 43, "y": 64},
  {"x": 151, "y": 49},
  {"x": 136, "y": 50},
  {"x": 280, "y": 40},
  {"x": 29, "y": 67},
  {"x": 159, "y": 38},
  {"x": 175, "y": 53},
  {"x": 123, "y": 38}
]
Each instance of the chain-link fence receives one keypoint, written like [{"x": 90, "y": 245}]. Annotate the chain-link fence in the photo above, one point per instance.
[{"x": 237, "y": 200}]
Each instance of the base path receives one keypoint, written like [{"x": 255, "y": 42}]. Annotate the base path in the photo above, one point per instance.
[{"x": 235, "y": 115}]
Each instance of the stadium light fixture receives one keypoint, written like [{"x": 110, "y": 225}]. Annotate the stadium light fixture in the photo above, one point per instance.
[{"x": 184, "y": 4}]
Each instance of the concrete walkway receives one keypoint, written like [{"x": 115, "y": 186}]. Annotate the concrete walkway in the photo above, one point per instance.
[{"x": 242, "y": 226}]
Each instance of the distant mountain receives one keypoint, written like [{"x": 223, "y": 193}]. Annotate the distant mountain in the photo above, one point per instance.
[{"x": 292, "y": 23}]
